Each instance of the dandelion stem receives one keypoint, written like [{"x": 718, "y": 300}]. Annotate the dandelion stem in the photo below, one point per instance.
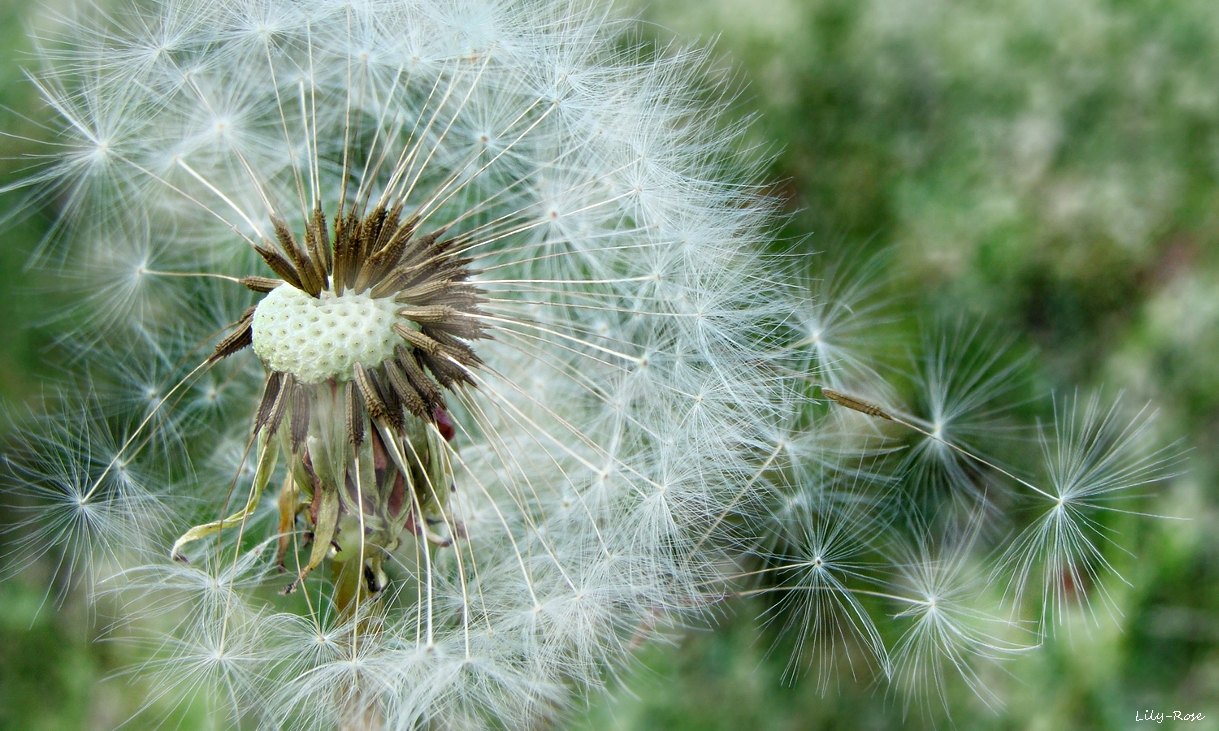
[
  {"x": 834, "y": 590},
  {"x": 208, "y": 275},
  {"x": 736, "y": 499},
  {"x": 122, "y": 449}
]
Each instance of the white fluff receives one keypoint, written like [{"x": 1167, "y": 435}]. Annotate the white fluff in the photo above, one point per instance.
[{"x": 615, "y": 235}]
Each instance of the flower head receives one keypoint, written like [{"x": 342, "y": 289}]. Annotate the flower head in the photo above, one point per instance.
[
  {"x": 501, "y": 300},
  {"x": 447, "y": 365}
]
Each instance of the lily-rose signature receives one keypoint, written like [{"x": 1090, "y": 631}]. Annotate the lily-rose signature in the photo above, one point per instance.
[{"x": 1161, "y": 716}]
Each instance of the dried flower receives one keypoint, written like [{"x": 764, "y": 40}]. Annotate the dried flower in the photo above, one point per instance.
[
  {"x": 505, "y": 300},
  {"x": 486, "y": 300}
]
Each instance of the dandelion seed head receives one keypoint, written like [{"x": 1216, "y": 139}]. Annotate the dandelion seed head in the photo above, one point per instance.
[
  {"x": 504, "y": 302},
  {"x": 84, "y": 506},
  {"x": 1097, "y": 461}
]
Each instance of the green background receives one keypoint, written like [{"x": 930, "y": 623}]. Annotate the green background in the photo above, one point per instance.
[{"x": 1049, "y": 165}]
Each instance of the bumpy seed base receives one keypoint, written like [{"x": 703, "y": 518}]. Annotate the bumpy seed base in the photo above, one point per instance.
[{"x": 319, "y": 338}]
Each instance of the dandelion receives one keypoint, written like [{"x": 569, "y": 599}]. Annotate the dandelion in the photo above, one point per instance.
[
  {"x": 945, "y": 631},
  {"x": 81, "y": 493},
  {"x": 503, "y": 307},
  {"x": 1095, "y": 462},
  {"x": 900, "y": 527},
  {"x": 967, "y": 395},
  {"x": 442, "y": 364},
  {"x": 823, "y": 541},
  {"x": 840, "y": 321},
  {"x": 894, "y": 559}
]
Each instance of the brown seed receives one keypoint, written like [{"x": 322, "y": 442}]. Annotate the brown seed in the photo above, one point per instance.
[
  {"x": 389, "y": 396},
  {"x": 269, "y": 392},
  {"x": 419, "y": 293},
  {"x": 419, "y": 340},
  {"x": 426, "y": 387},
  {"x": 280, "y": 407},
  {"x": 411, "y": 398},
  {"x": 355, "y": 415},
  {"x": 321, "y": 238},
  {"x": 260, "y": 284},
  {"x": 856, "y": 404},
  {"x": 452, "y": 347},
  {"x": 310, "y": 277},
  {"x": 445, "y": 370},
  {"x": 280, "y": 266},
  {"x": 377, "y": 408},
  {"x": 369, "y": 231},
  {"x": 429, "y": 314},
  {"x": 389, "y": 254},
  {"x": 345, "y": 230},
  {"x": 241, "y": 337},
  {"x": 300, "y": 416},
  {"x": 388, "y": 228}
]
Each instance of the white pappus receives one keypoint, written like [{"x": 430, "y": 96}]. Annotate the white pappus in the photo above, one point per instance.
[{"x": 504, "y": 296}]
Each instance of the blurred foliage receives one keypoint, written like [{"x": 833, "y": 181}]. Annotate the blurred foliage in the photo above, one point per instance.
[
  {"x": 50, "y": 665},
  {"x": 1049, "y": 164}
]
